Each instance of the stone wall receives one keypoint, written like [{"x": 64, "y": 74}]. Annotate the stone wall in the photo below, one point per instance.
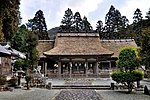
[{"x": 5, "y": 66}]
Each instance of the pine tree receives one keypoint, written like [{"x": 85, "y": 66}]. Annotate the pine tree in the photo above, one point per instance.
[
  {"x": 137, "y": 16},
  {"x": 67, "y": 21},
  {"x": 77, "y": 22},
  {"x": 99, "y": 28},
  {"x": 137, "y": 25},
  {"x": 114, "y": 23},
  {"x": 38, "y": 25},
  {"x": 86, "y": 26},
  {"x": 148, "y": 15}
]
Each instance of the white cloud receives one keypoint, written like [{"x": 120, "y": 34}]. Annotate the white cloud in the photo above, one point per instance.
[
  {"x": 131, "y": 5},
  {"x": 55, "y": 9}
]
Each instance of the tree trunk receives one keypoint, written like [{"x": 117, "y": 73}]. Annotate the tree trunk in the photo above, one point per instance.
[
  {"x": 28, "y": 86},
  {"x": 130, "y": 86},
  {"x": 138, "y": 84}
]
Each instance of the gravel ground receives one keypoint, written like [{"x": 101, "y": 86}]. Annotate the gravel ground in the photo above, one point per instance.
[
  {"x": 33, "y": 94},
  {"x": 78, "y": 95},
  {"x": 44, "y": 94},
  {"x": 122, "y": 95}
]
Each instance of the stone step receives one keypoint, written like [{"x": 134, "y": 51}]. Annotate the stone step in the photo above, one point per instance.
[{"x": 97, "y": 87}]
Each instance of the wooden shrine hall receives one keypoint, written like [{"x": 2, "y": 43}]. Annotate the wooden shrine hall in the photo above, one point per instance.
[{"x": 79, "y": 55}]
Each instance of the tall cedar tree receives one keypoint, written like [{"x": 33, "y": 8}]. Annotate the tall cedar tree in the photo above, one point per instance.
[
  {"x": 99, "y": 28},
  {"x": 137, "y": 25},
  {"x": 86, "y": 26},
  {"x": 31, "y": 43},
  {"x": 9, "y": 18},
  {"x": 77, "y": 22},
  {"x": 19, "y": 39},
  {"x": 67, "y": 21},
  {"x": 38, "y": 25},
  {"x": 109, "y": 22},
  {"x": 148, "y": 14},
  {"x": 114, "y": 23},
  {"x": 145, "y": 45}
]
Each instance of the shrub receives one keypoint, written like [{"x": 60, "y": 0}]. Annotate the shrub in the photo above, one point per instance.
[
  {"x": 2, "y": 80},
  {"x": 121, "y": 77},
  {"x": 139, "y": 75}
]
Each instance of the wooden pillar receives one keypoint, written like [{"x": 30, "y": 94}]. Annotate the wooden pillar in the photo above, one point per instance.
[
  {"x": 45, "y": 69},
  {"x": 59, "y": 69},
  {"x": 109, "y": 64},
  {"x": 70, "y": 73},
  {"x": 86, "y": 68},
  {"x": 96, "y": 68}
]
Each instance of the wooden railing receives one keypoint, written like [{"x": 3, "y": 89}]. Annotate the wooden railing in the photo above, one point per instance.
[{"x": 101, "y": 74}]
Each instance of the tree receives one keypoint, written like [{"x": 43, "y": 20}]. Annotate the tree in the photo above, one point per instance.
[
  {"x": 128, "y": 63},
  {"x": 148, "y": 15},
  {"x": 67, "y": 21},
  {"x": 137, "y": 16},
  {"x": 145, "y": 51},
  {"x": 20, "y": 63},
  {"x": 32, "y": 41},
  {"x": 86, "y": 26},
  {"x": 138, "y": 24},
  {"x": 38, "y": 25},
  {"x": 109, "y": 21},
  {"x": 9, "y": 18},
  {"x": 99, "y": 28},
  {"x": 128, "y": 59},
  {"x": 18, "y": 41},
  {"x": 77, "y": 22},
  {"x": 115, "y": 23}
]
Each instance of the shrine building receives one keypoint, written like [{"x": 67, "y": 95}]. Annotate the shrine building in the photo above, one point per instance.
[{"x": 80, "y": 55}]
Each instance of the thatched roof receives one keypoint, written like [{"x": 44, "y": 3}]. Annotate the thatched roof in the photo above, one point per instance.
[
  {"x": 78, "y": 44},
  {"x": 44, "y": 45},
  {"x": 116, "y": 45}
]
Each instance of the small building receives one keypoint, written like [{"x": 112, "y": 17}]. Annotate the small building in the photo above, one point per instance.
[
  {"x": 6, "y": 54},
  {"x": 80, "y": 55}
]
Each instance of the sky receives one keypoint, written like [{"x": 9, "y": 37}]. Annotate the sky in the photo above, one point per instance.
[{"x": 94, "y": 10}]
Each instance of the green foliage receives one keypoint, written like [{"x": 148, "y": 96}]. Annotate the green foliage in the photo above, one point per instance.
[
  {"x": 126, "y": 77},
  {"x": 137, "y": 16},
  {"x": 31, "y": 51},
  {"x": 145, "y": 51},
  {"x": 128, "y": 59},
  {"x": 148, "y": 15},
  {"x": 21, "y": 63},
  {"x": 67, "y": 21},
  {"x": 38, "y": 25},
  {"x": 137, "y": 25},
  {"x": 19, "y": 41},
  {"x": 77, "y": 22},
  {"x": 99, "y": 26},
  {"x": 139, "y": 75},
  {"x": 2, "y": 80},
  {"x": 86, "y": 26},
  {"x": 10, "y": 17},
  {"x": 115, "y": 23},
  {"x": 74, "y": 23},
  {"x": 121, "y": 77}
]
